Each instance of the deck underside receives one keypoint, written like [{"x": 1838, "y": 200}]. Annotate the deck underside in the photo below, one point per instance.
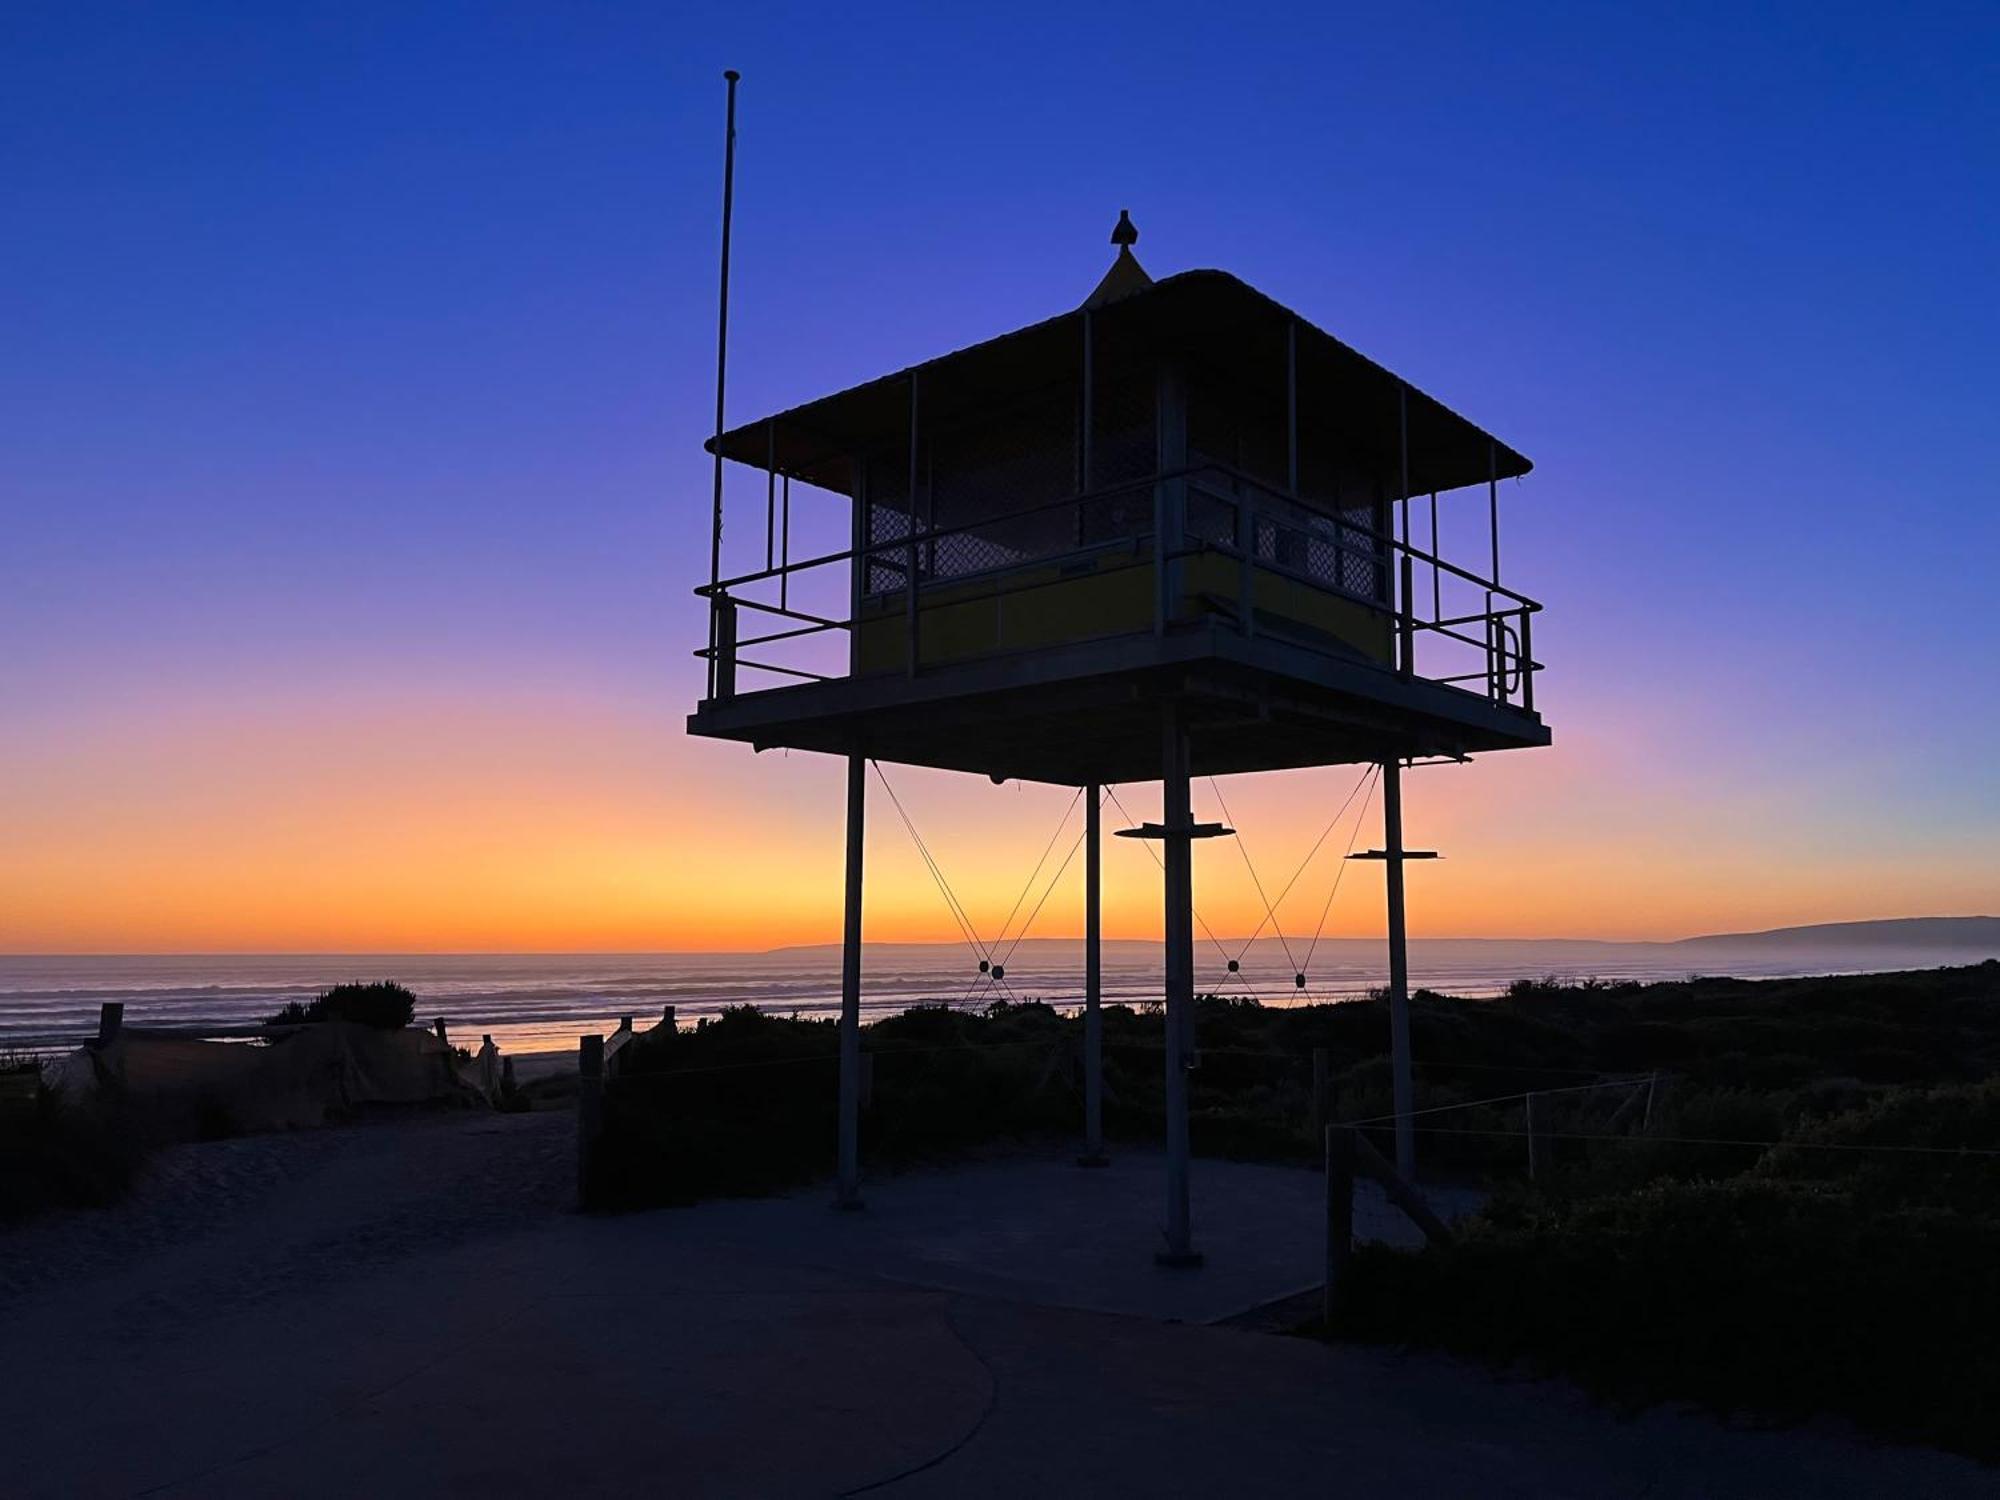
[{"x": 1091, "y": 712}]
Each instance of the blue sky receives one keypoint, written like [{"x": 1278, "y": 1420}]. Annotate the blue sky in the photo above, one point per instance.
[{"x": 359, "y": 357}]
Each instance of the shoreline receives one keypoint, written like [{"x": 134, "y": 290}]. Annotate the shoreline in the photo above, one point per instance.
[{"x": 533, "y": 1004}]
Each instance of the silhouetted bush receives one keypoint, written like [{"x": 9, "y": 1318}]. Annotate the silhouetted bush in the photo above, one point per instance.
[
  {"x": 751, "y": 1104},
  {"x": 384, "y": 1004},
  {"x": 745, "y": 1102},
  {"x": 59, "y": 1154},
  {"x": 1851, "y": 1268},
  {"x": 1908, "y": 1148},
  {"x": 1776, "y": 1298}
]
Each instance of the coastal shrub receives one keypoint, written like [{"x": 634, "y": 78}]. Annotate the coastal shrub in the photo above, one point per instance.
[
  {"x": 1779, "y": 1298},
  {"x": 1911, "y": 1147},
  {"x": 383, "y": 1004},
  {"x": 743, "y": 1103},
  {"x": 65, "y": 1154},
  {"x": 1738, "y": 1061},
  {"x": 945, "y": 1080},
  {"x": 1698, "y": 1135},
  {"x": 1851, "y": 1268}
]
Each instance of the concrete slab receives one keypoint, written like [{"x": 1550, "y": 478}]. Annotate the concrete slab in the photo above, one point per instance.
[
  {"x": 1041, "y": 1229},
  {"x": 1103, "y": 1406}
]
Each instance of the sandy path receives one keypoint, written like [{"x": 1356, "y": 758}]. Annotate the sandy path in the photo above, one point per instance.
[{"x": 219, "y": 1224}]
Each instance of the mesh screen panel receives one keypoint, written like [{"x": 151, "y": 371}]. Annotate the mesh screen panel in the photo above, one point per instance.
[
  {"x": 886, "y": 567},
  {"x": 984, "y": 476},
  {"x": 1328, "y": 550},
  {"x": 1360, "y": 569},
  {"x": 995, "y": 486}
]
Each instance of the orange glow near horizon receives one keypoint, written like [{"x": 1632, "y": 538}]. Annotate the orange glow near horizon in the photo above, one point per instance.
[{"x": 530, "y": 825}]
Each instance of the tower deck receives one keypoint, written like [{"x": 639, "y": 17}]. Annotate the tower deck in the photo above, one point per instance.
[
  {"x": 1089, "y": 711},
  {"x": 1041, "y": 647}
]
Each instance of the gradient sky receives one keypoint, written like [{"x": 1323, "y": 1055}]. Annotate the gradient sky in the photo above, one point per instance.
[{"x": 357, "y": 358}]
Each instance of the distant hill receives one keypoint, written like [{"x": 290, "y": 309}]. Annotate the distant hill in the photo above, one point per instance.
[
  {"x": 1961, "y": 937},
  {"x": 1981, "y": 934}
]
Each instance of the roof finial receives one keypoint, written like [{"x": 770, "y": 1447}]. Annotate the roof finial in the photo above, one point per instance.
[{"x": 1126, "y": 275}]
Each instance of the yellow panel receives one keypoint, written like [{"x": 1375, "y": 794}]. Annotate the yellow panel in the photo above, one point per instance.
[
  {"x": 1103, "y": 594},
  {"x": 1075, "y": 599},
  {"x": 1283, "y": 601}
]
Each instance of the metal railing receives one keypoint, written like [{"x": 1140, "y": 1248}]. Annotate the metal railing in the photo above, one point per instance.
[
  {"x": 1484, "y": 637},
  {"x": 1267, "y": 529}
]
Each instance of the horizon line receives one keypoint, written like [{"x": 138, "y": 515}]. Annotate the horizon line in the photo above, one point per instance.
[{"x": 834, "y": 943}]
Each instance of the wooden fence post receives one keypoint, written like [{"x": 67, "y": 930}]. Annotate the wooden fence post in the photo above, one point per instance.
[
  {"x": 1322, "y": 1105},
  {"x": 438, "y": 1027},
  {"x": 507, "y": 1075},
  {"x": 667, "y": 1018},
  {"x": 110, "y": 1018},
  {"x": 1339, "y": 1215},
  {"x": 1537, "y": 1140},
  {"x": 1627, "y": 1107},
  {"x": 617, "y": 1048},
  {"x": 1400, "y": 1190},
  {"x": 489, "y": 1056},
  {"x": 589, "y": 1110}
]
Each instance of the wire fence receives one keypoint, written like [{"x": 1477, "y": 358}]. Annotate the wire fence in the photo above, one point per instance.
[{"x": 1300, "y": 1066}]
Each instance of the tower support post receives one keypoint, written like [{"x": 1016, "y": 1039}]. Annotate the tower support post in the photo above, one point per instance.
[
  {"x": 1093, "y": 977},
  {"x": 1399, "y": 969},
  {"x": 848, "y": 1190},
  {"x": 1169, "y": 492},
  {"x": 1177, "y": 816}
]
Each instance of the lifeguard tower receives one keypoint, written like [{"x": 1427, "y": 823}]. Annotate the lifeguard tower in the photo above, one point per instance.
[{"x": 1167, "y": 532}]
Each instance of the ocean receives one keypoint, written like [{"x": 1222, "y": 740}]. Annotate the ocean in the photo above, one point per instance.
[{"x": 542, "y": 1002}]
